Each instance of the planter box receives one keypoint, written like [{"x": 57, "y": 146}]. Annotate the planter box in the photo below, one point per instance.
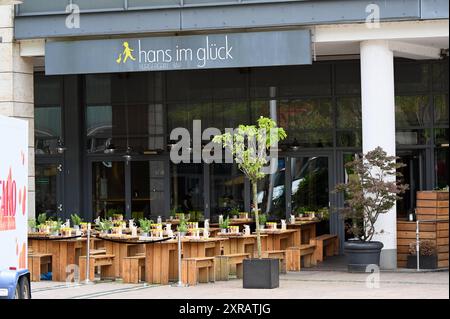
[
  {"x": 432, "y": 205},
  {"x": 425, "y": 262},
  {"x": 261, "y": 273}
]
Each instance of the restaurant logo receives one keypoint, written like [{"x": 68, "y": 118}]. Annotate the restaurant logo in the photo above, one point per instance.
[{"x": 126, "y": 54}]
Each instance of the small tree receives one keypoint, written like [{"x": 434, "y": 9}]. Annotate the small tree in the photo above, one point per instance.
[
  {"x": 249, "y": 145},
  {"x": 372, "y": 189}
]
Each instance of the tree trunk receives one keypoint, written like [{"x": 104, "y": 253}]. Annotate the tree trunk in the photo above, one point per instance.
[{"x": 255, "y": 207}]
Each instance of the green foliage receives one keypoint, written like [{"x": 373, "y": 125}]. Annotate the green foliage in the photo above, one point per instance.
[
  {"x": 145, "y": 224},
  {"x": 106, "y": 225},
  {"x": 224, "y": 223},
  {"x": 76, "y": 220},
  {"x": 32, "y": 223},
  {"x": 234, "y": 212},
  {"x": 42, "y": 218},
  {"x": 371, "y": 190},
  {"x": 262, "y": 219},
  {"x": 182, "y": 227},
  {"x": 249, "y": 145}
]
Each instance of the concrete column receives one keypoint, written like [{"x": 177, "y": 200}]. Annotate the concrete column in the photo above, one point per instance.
[
  {"x": 378, "y": 125},
  {"x": 16, "y": 89}
]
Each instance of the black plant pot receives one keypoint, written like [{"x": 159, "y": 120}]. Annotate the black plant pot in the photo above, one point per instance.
[
  {"x": 425, "y": 262},
  {"x": 261, "y": 273},
  {"x": 360, "y": 254}
]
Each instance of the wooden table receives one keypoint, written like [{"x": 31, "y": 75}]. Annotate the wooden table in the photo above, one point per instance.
[
  {"x": 279, "y": 239},
  {"x": 209, "y": 247},
  {"x": 306, "y": 230},
  {"x": 241, "y": 243},
  {"x": 64, "y": 252},
  {"x": 161, "y": 262},
  {"x": 121, "y": 249},
  {"x": 236, "y": 222}
]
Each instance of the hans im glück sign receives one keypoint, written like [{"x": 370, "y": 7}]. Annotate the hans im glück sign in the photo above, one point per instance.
[{"x": 179, "y": 52}]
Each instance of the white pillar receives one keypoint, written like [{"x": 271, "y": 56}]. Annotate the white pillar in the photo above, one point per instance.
[
  {"x": 378, "y": 126},
  {"x": 16, "y": 89}
]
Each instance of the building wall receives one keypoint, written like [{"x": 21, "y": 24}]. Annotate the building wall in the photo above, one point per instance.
[{"x": 16, "y": 88}]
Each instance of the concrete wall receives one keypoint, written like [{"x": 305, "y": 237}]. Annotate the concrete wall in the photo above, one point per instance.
[{"x": 16, "y": 89}]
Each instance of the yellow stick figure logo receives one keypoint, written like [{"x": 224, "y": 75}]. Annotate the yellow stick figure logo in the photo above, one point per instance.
[{"x": 127, "y": 53}]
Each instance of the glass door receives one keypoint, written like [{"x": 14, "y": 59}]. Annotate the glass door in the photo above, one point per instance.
[
  {"x": 148, "y": 189},
  {"x": 413, "y": 175},
  {"x": 49, "y": 189},
  {"x": 108, "y": 188}
]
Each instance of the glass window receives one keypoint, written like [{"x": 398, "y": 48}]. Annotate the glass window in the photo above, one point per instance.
[
  {"x": 305, "y": 114},
  {"x": 229, "y": 83},
  {"x": 413, "y": 136},
  {"x": 441, "y": 136},
  {"x": 291, "y": 81},
  {"x": 440, "y": 75},
  {"x": 47, "y": 90},
  {"x": 348, "y": 112},
  {"x": 441, "y": 166},
  {"x": 272, "y": 192},
  {"x": 310, "y": 188},
  {"x": 147, "y": 190},
  {"x": 348, "y": 78},
  {"x": 349, "y": 138},
  {"x": 441, "y": 110},
  {"x": 411, "y": 77},
  {"x": 187, "y": 86},
  {"x": 47, "y": 129},
  {"x": 187, "y": 187},
  {"x": 227, "y": 189},
  {"x": 412, "y": 111},
  {"x": 46, "y": 188},
  {"x": 108, "y": 188}
]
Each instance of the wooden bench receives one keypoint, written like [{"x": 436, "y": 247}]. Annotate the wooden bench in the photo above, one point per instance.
[
  {"x": 101, "y": 251},
  {"x": 327, "y": 242},
  {"x": 195, "y": 270},
  {"x": 133, "y": 269},
  {"x": 105, "y": 262},
  {"x": 294, "y": 256},
  {"x": 39, "y": 264},
  {"x": 225, "y": 263},
  {"x": 277, "y": 254}
]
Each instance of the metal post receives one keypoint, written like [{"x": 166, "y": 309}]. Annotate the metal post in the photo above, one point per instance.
[
  {"x": 417, "y": 245},
  {"x": 179, "y": 283},
  {"x": 88, "y": 251}
]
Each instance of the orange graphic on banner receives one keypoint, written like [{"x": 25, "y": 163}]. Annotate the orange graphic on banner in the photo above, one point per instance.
[{"x": 8, "y": 203}]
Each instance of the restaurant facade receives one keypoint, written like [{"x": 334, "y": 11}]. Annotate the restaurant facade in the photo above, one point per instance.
[{"x": 104, "y": 85}]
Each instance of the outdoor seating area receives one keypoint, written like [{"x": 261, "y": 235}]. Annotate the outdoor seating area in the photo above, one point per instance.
[{"x": 131, "y": 252}]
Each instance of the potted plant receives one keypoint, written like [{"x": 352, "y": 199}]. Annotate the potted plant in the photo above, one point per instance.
[
  {"x": 223, "y": 225},
  {"x": 145, "y": 225},
  {"x": 427, "y": 255},
  {"x": 182, "y": 227},
  {"x": 32, "y": 225},
  {"x": 76, "y": 221},
  {"x": 106, "y": 226},
  {"x": 41, "y": 219},
  {"x": 262, "y": 221},
  {"x": 249, "y": 145},
  {"x": 372, "y": 190},
  {"x": 301, "y": 211},
  {"x": 55, "y": 227}
]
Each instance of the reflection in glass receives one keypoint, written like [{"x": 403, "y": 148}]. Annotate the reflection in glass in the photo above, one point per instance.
[
  {"x": 227, "y": 189},
  {"x": 349, "y": 138},
  {"x": 413, "y": 137},
  {"x": 309, "y": 183},
  {"x": 412, "y": 111},
  {"x": 411, "y": 77},
  {"x": 272, "y": 193},
  {"x": 441, "y": 167},
  {"x": 108, "y": 188},
  {"x": 46, "y": 197},
  {"x": 441, "y": 110},
  {"x": 187, "y": 187},
  {"x": 348, "y": 112},
  {"x": 47, "y": 129},
  {"x": 147, "y": 189}
]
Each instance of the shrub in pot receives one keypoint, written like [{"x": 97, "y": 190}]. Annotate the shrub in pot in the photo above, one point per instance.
[
  {"x": 249, "y": 145},
  {"x": 427, "y": 255},
  {"x": 372, "y": 189}
]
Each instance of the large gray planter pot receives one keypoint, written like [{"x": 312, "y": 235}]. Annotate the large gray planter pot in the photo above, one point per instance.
[
  {"x": 261, "y": 273},
  {"x": 360, "y": 254}
]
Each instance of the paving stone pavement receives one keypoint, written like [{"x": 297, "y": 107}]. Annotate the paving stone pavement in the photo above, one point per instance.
[{"x": 295, "y": 285}]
